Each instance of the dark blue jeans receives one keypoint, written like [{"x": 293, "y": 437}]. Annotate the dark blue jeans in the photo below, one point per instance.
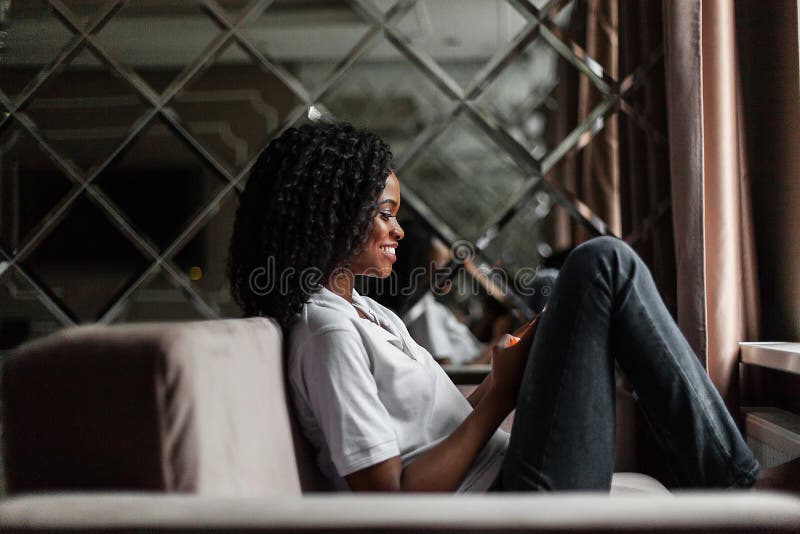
[{"x": 605, "y": 307}]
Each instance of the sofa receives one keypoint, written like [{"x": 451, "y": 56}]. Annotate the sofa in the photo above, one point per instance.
[{"x": 186, "y": 427}]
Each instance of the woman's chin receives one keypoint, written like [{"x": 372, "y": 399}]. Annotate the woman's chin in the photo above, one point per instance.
[{"x": 382, "y": 272}]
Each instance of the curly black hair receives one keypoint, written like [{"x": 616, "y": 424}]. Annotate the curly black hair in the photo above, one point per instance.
[{"x": 306, "y": 209}]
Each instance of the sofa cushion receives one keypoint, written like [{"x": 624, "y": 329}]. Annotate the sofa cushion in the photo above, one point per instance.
[
  {"x": 187, "y": 407},
  {"x": 636, "y": 483}
]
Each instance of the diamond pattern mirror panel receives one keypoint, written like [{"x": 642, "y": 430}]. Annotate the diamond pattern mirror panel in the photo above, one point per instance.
[{"x": 127, "y": 130}]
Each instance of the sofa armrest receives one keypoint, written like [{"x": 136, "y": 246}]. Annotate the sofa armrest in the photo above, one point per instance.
[
  {"x": 698, "y": 512},
  {"x": 179, "y": 407}
]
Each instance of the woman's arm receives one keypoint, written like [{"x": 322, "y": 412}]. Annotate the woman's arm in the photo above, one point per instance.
[
  {"x": 443, "y": 467},
  {"x": 479, "y": 392}
]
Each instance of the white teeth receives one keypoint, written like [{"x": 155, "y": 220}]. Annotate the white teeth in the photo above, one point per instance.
[{"x": 390, "y": 250}]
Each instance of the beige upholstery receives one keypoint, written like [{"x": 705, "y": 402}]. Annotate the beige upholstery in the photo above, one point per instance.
[
  {"x": 706, "y": 513},
  {"x": 197, "y": 407}
]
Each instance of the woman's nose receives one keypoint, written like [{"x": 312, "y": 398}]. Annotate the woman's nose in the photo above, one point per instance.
[{"x": 397, "y": 231}]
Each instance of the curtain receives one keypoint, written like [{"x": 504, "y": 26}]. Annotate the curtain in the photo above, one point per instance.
[
  {"x": 682, "y": 49},
  {"x": 717, "y": 277},
  {"x": 599, "y": 181}
]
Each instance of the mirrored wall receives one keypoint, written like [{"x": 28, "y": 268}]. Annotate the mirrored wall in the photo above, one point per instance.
[{"x": 127, "y": 130}]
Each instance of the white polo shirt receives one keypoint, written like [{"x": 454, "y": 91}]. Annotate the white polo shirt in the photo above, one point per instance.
[{"x": 364, "y": 391}]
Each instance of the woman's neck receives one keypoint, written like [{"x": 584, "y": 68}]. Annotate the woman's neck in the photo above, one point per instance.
[{"x": 341, "y": 283}]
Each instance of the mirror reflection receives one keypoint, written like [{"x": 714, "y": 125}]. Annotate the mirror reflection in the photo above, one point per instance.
[{"x": 146, "y": 133}]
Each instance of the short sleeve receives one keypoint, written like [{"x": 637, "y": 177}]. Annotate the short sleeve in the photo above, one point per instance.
[{"x": 343, "y": 397}]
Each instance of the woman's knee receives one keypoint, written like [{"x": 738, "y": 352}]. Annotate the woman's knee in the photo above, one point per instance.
[
  {"x": 592, "y": 255},
  {"x": 601, "y": 247}
]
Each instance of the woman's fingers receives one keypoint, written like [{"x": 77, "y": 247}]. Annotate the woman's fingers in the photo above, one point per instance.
[{"x": 507, "y": 340}]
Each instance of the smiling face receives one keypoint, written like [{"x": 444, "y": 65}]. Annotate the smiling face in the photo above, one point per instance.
[{"x": 379, "y": 249}]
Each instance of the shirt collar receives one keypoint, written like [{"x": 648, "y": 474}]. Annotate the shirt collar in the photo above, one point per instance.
[{"x": 327, "y": 298}]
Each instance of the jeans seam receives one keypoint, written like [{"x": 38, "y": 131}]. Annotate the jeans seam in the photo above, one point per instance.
[
  {"x": 662, "y": 434},
  {"x": 546, "y": 450}
]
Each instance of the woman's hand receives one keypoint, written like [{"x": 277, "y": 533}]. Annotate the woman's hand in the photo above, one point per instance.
[{"x": 509, "y": 357}]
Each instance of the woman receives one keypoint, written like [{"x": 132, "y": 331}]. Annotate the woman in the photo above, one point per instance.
[{"x": 320, "y": 208}]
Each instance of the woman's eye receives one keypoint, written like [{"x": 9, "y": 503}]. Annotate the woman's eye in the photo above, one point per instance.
[{"x": 385, "y": 215}]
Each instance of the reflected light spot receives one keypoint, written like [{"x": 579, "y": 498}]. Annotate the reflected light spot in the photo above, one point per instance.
[{"x": 195, "y": 273}]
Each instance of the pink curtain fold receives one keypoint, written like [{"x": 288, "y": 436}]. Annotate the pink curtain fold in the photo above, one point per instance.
[
  {"x": 716, "y": 270},
  {"x": 600, "y": 180},
  {"x": 682, "y": 27},
  {"x": 723, "y": 176}
]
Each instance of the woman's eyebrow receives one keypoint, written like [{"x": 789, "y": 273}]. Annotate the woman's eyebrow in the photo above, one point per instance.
[{"x": 388, "y": 201}]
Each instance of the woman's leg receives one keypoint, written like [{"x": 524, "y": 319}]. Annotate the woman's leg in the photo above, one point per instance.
[{"x": 605, "y": 306}]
